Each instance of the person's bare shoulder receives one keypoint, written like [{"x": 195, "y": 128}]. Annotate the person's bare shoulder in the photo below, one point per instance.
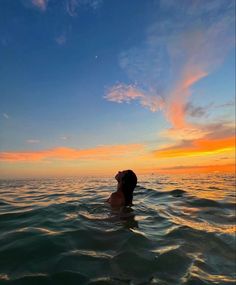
[{"x": 116, "y": 199}]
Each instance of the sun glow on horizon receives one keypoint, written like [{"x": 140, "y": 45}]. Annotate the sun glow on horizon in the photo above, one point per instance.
[{"x": 89, "y": 96}]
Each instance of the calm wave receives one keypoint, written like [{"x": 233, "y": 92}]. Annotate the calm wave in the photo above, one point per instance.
[{"x": 181, "y": 230}]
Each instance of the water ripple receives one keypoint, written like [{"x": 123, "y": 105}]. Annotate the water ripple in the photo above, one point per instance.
[{"x": 181, "y": 230}]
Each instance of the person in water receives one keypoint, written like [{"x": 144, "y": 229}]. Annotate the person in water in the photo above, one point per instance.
[{"x": 127, "y": 181}]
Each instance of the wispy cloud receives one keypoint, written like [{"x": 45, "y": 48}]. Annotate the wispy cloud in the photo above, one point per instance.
[
  {"x": 106, "y": 152},
  {"x": 95, "y": 4},
  {"x": 183, "y": 169},
  {"x": 203, "y": 140},
  {"x": 126, "y": 93},
  {"x": 41, "y": 4},
  {"x": 178, "y": 98},
  {"x": 72, "y": 6},
  {"x": 181, "y": 48},
  {"x": 123, "y": 93},
  {"x": 6, "y": 116},
  {"x": 197, "y": 111},
  {"x": 203, "y": 146},
  {"x": 225, "y": 105}
]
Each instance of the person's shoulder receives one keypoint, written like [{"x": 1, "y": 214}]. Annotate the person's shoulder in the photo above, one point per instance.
[
  {"x": 116, "y": 195},
  {"x": 116, "y": 198}
]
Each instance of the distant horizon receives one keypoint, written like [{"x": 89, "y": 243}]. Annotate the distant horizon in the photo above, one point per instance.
[
  {"x": 96, "y": 86},
  {"x": 222, "y": 169}
]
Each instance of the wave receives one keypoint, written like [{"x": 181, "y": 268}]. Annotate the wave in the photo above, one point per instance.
[
  {"x": 57, "y": 232},
  {"x": 210, "y": 203},
  {"x": 149, "y": 191},
  {"x": 177, "y": 192},
  {"x": 204, "y": 203},
  {"x": 63, "y": 277}
]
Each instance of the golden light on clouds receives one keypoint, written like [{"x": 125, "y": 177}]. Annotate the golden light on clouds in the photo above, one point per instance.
[
  {"x": 175, "y": 109},
  {"x": 194, "y": 169},
  {"x": 106, "y": 160},
  {"x": 104, "y": 152},
  {"x": 198, "y": 147}
]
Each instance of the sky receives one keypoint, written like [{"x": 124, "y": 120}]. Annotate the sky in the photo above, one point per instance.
[{"x": 90, "y": 87}]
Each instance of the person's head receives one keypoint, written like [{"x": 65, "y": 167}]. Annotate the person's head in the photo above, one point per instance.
[{"x": 127, "y": 181}]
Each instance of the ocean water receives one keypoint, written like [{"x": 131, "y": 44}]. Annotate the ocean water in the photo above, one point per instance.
[{"x": 180, "y": 230}]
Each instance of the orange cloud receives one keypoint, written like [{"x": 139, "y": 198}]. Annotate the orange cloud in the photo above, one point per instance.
[
  {"x": 175, "y": 110},
  {"x": 201, "y": 146},
  {"x": 190, "y": 169},
  {"x": 106, "y": 152}
]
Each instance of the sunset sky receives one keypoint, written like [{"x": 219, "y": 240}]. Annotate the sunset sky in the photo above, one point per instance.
[{"x": 89, "y": 87}]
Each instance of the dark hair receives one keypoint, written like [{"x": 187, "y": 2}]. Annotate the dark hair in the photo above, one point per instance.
[{"x": 129, "y": 182}]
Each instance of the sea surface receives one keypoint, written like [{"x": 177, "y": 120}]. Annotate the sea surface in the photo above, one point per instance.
[{"x": 180, "y": 230}]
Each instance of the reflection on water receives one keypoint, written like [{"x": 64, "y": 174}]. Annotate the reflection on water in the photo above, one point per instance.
[{"x": 181, "y": 230}]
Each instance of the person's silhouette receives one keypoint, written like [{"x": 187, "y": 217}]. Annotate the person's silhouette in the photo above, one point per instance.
[{"x": 127, "y": 181}]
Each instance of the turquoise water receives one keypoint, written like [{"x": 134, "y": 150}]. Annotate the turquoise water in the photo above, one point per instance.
[{"x": 181, "y": 230}]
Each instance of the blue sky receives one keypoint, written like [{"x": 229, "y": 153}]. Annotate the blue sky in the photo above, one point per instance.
[{"x": 85, "y": 73}]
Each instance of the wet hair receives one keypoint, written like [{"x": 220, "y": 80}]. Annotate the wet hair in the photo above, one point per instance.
[{"x": 129, "y": 182}]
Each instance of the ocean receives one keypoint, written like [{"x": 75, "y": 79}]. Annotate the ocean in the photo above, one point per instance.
[{"x": 180, "y": 230}]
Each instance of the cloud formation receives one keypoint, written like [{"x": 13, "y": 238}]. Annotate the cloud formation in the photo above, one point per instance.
[
  {"x": 203, "y": 146},
  {"x": 126, "y": 93},
  {"x": 178, "y": 98},
  {"x": 180, "y": 169},
  {"x": 203, "y": 140},
  {"x": 106, "y": 152},
  {"x": 196, "y": 111},
  {"x": 183, "y": 46}
]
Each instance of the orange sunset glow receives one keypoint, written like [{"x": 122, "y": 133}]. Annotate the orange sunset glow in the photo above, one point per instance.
[
  {"x": 199, "y": 147},
  {"x": 117, "y": 142},
  {"x": 85, "y": 101}
]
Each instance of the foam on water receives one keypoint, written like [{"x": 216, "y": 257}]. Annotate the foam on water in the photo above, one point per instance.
[{"x": 181, "y": 230}]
